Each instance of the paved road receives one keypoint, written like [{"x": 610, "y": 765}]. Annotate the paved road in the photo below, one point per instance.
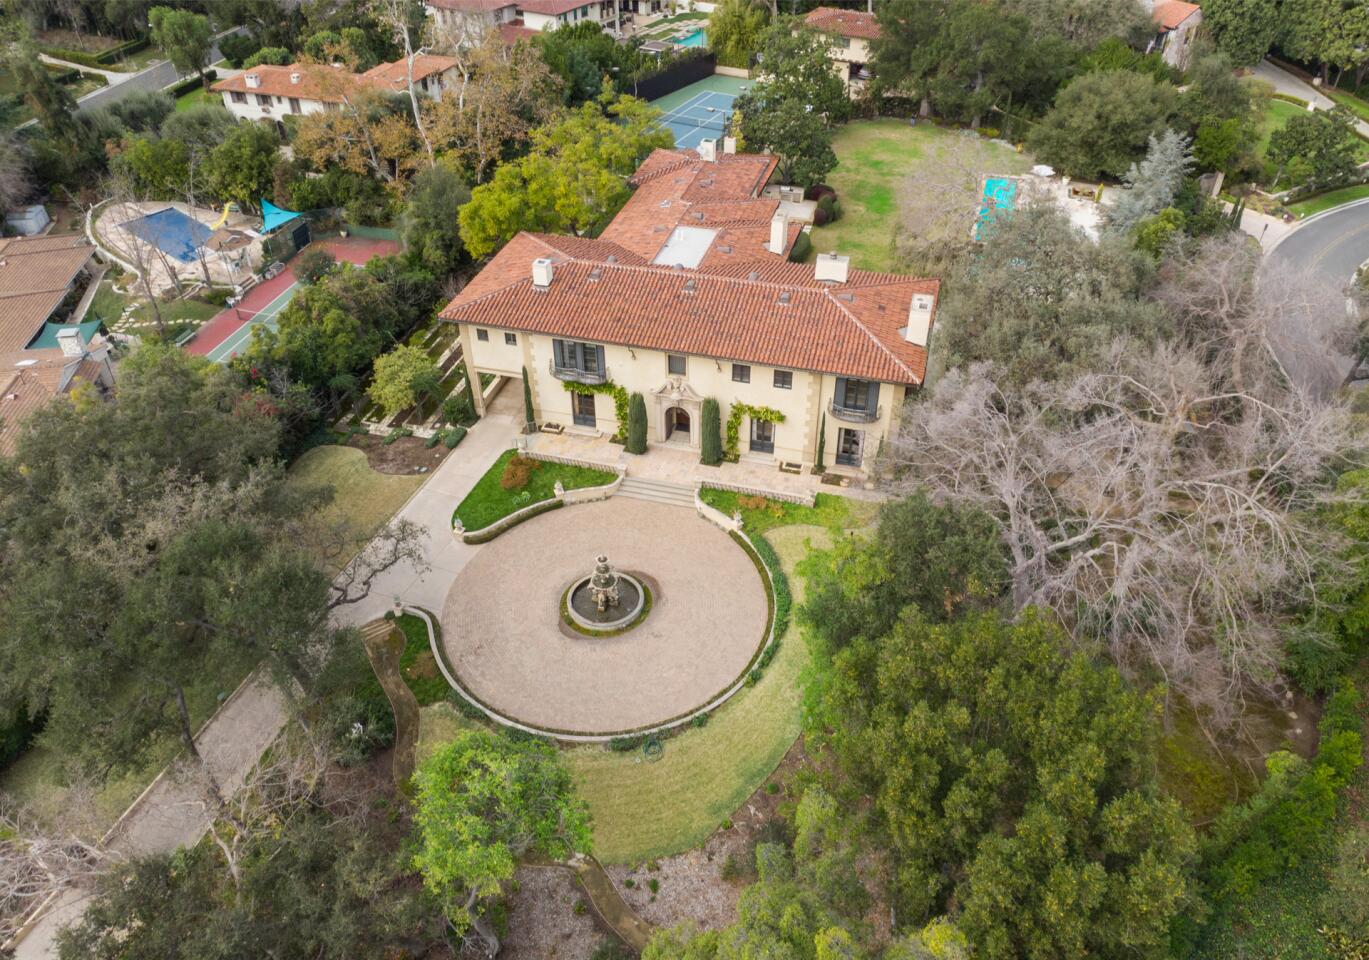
[
  {"x": 158, "y": 76},
  {"x": 1333, "y": 244}
]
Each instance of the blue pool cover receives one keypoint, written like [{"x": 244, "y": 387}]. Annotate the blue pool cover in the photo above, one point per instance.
[
  {"x": 170, "y": 231},
  {"x": 1000, "y": 194}
]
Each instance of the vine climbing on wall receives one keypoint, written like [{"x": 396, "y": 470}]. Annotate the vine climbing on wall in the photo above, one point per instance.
[
  {"x": 734, "y": 422},
  {"x": 619, "y": 395}
]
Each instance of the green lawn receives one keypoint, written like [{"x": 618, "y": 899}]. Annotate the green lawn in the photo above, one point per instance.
[
  {"x": 886, "y": 169},
  {"x": 1355, "y": 105},
  {"x": 193, "y": 312},
  {"x": 488, "y": 501},
  {"x": 1276, "y": 114},
  {"x": 195, "y": 97},
  {"x": 362, "y": 497},
  {"x": 1332, "y": 198},
  {"x": 829, "y": 511},
  {"x": 642, "y": 810}
]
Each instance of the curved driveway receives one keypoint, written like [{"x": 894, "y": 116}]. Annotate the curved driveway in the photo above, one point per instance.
[{"x": 1333, "y": 244}]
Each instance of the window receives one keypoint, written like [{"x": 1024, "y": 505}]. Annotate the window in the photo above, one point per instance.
[
  {"x": 582, "y": 409},
  {"x": 675, "y": 364},
  {"x": 849, "y": 443},
  {"x": 482, "y": 335},
  {"x": 572, "y": 360},
  {"x": 294, "y": 105},
  {"x": 784, "y": 380},
  {"x": 264, "y": 100},
  {"x": 741, "y": 373},
  {"x": 762, "y": 436},
  {"x": 510, "y": 339},
  {"x": 239, "y": 96}
]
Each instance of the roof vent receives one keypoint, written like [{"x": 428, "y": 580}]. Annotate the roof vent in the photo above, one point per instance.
[
  {"x": 664, "y": 204},
  {"x": 753, "y": 275},
  {"x": 784, "y": 297},
  {"x": 847, "y": 297},
  {"x": 698, "y": 215},
  {"x": 691, "y": 285},
  {"x": 724, "y": 248},
  {"x": 542, "y": 273},
  {"x": 611, "y": 258},
  {"x": 677, "y": 267},
  {"x": 596, "y": 273},
  {"x": 253, "y": 80},
  {"x": 296, "y": 77}
]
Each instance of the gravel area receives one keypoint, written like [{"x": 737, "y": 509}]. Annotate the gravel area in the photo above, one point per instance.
[{"x": 543, "y": 922}]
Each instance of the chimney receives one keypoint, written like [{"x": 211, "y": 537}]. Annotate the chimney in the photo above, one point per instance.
[
  {"x": 541, "y": 273},
  {"x": 920, "y": 318},
  {"x": 296, "y": 77},
  {"x": 708, "y": 151},
  {"x": 71, "y": 342},
  {"x": 253, "y": 80},
  {"x": 832, "y": 267},
  {"x": 779, "y": 233},
  {"x": 729, "y": 145}
]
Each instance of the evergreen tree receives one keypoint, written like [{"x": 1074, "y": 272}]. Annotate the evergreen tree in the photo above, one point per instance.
[
  {"x": 636, "y": 425},
  {"x": 528, "y": 416},
  {"x": 711, "y": 453},
  {"x": 822, "y": 445}
]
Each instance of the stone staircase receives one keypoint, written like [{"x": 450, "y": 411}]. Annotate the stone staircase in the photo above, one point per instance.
[{"x": 658, "y": 491}]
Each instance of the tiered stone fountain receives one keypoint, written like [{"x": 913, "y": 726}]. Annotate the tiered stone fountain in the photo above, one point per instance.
[{"x": 606, "y": 600}]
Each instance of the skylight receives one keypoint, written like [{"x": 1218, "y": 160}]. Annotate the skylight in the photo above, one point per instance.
[{"x": 685, "y": 247}]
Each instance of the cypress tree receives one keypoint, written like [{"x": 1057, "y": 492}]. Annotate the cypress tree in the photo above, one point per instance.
[
  {"x": 822, "y": 445},
  {"x": 636, "y": 425},
  {"x": 712, "y": 437},
  {"x": 527, "y": 403}
]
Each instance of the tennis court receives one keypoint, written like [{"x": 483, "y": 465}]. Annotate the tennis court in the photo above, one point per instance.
[
  {"x": 701, "y": 110},
  {"x": 170, "y": 231},
  {"x": 238, "y": 341}
]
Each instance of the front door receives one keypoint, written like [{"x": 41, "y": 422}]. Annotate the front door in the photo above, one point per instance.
[
  {"x": 583, "y": 409},
  {"x": 677, "y": 421},
  {"x": 849, "y": 443}
]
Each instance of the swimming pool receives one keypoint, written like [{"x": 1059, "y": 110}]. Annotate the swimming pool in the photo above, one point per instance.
[
  {"x": 699, "y": 38},
  {"x": 170, "y": 231},
  {"x": 1000, "y": 195}
]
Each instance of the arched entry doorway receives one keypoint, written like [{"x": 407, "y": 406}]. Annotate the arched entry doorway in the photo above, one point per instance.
[{"x": 677, "y": 425}]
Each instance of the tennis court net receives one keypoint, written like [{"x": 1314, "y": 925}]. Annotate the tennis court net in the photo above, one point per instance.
[{"x": 698, "y": 117}]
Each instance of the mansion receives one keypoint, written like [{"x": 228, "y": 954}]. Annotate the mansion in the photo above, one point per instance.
[{"x": 689, "y": 294}]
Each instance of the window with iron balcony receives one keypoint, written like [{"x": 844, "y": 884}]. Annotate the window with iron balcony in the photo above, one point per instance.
[
  {"x": 578, "y": 362},
  {"x": 856, "y": 401}
]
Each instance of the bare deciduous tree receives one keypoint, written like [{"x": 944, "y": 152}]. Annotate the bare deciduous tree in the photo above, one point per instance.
[
  {"x": 399, "y": 16},
  {"x": 1149, "y": 504},
  {"x": 37, "y": 861},
  {"x": 1245, "y": 310}
]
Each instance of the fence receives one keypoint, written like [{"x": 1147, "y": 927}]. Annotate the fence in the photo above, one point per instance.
[{"x": 675, "y": 77}]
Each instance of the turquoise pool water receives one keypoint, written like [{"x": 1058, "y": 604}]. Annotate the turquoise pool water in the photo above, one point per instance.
[
  {"x": 699, "y": 38},
  {"x": 1000, "y": 194}
]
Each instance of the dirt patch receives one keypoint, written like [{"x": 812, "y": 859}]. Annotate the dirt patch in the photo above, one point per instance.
[
  {"x": 550, "y": 917},
  {"x": 424, "y": 667},
  {"x": 407, "y": 455},
  {"x": 702, "y": 885}
]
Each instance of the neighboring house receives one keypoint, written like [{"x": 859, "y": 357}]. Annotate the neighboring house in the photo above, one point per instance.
[
  {"x": 521, "y": 18},
  {"x": 850, "y": 33},
  {"x": 27, "y": 221},
  {"x": 271, "y": 92},
  {"x": 1176, "y": 25},
  {"x": 689, "y": 294},
  {"x": 37, "y": 275},
  {"x": 29, "y": 379}
]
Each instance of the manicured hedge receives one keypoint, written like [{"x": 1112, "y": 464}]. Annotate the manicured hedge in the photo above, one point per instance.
[
  {"x": 192, "y": 83},
  {"x": 487, "y": 534}
]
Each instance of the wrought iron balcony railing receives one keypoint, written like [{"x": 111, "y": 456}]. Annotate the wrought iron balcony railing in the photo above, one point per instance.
[
  {"x": 577, "y": 375},
  {"x": 854, "y": 414}
]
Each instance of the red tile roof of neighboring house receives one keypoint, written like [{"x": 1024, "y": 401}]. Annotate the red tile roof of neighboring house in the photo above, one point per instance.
[
  {"x": 772, "y": 313},
  {"x": 845, "y": 23},
  {"x": 514, "y": 31},
  {"x": 35, "y": 274},
  {"x": 29, "y": 379},
  {"x": 328, "y": 84},
  {"x": 395, "y": 76},
  {"x": 471, "y": 6},
  {"x": 552, "y": 8},
  {"x": 1171, "y": 13}
]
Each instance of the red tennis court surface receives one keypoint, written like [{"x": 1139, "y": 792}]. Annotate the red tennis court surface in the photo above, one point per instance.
[{"x": 227, "y": 322}]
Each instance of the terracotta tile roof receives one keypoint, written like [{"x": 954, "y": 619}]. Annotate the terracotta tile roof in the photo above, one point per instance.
[
  {"x": 328, "y": 84},
  {"x": 471, "y": 6},
  {"x": 771, "y": 313},
  {"x": 395, "y": 76},
  {"x": 35, "y": 274},
  {"x": 674, "y": 187},
  {"x": 845, "y": 23},
  {"x": 29, "y": 379},
  {"x": 552, "y": 8},
  {"x": 1171, "y": 13},
  {"x": 514, "y": 31}
]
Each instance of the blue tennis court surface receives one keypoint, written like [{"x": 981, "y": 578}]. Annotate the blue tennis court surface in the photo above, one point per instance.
[
  {"x": 170, "y": 231},
  {"x": 1000, "y": 194},
  {"x": 703, "y": 116}
]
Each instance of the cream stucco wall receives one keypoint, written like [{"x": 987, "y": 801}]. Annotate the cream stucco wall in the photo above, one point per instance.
[
  {"x": 542, "y": 21},
  {"x": 645, "y": 371},
  {"x": 277, "y": 108}
]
